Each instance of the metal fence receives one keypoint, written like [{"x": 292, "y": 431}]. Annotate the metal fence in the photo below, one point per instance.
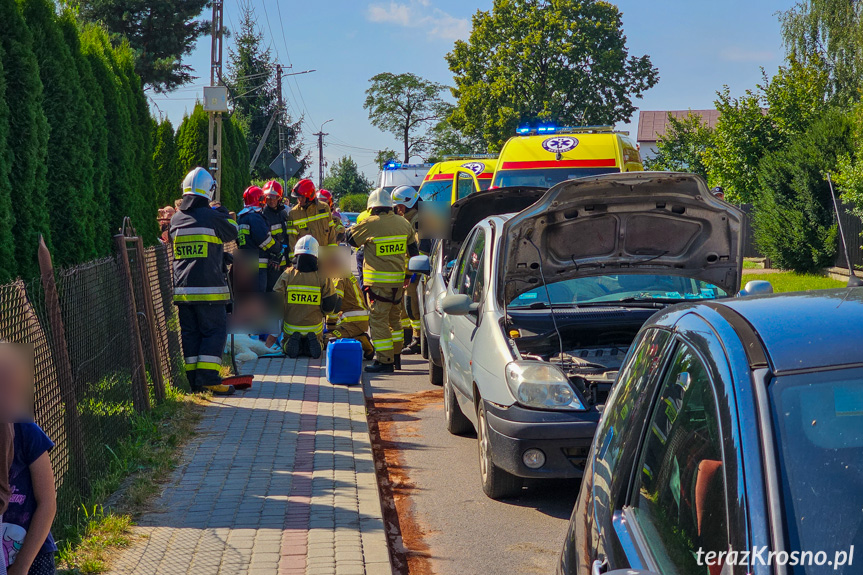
[{"x": 106, "y": 339}]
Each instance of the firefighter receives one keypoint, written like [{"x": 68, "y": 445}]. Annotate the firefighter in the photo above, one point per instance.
[
  {"x": 309, "y": 296},
  {"x": 255, "y": 235},
  {"x": 327, "y": 197},
  {"x": 354, "y": 317},
  {"x": 386, "y": 239},
  {"x": 309, "y": 217},
  {"x": 277, "y": 219},
  {"x": 198, "y": 234},
  {"x": 406, "y": 204}
]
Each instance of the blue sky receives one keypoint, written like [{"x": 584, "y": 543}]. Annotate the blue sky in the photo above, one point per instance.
[{"x": 698, "y": 46}]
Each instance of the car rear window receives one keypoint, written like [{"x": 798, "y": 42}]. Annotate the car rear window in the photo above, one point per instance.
[{"x": 818, "y": 430}]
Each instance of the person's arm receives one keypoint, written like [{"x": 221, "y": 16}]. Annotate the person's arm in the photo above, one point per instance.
[
  {"x": 226, "y": 228},
  {"x": 45, "y": 495},
  {"x": 262, "y": 237},
  {"x": 330, "y": 300}
]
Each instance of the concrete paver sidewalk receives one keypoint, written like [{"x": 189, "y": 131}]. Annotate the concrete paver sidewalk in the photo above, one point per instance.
[{"x": 279, "y": 481}]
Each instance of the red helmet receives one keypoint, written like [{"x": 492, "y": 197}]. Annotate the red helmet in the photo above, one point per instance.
[
  {"x": 253, "y": 196},
  {"x": 305, "y": 189},
  {"x": 273, "y": 188},
  {"x": 326, "y": 196}
]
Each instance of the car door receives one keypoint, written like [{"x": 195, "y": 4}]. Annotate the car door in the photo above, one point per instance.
[
  {"x": 464, "y": 183},
  {"x": 462, "y": 327},
  {"x": 675, "y": 519}
]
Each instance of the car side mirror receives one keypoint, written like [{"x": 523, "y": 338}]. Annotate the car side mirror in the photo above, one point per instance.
[
  {"x": 459, "y": 304},
  {"x": 420, "y": 265},
  {"x": 756, "y": 287}
]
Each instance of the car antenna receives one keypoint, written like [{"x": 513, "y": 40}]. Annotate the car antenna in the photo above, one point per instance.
[
  {"x": 548, "y": 295},
  {"x": 853, "y": 280}
]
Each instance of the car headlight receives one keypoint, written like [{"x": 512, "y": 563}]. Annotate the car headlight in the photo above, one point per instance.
[
  {"x": 541, "y": 385},
  {"x": 438, "y": 303}
]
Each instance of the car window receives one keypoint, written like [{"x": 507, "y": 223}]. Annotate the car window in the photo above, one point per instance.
[
  {"x": 679, "y": 493},
  {"x": 479, "y": 279},
  {"x": 818, "y": 434},
  {"x": 465, "y": 185},
  {"x": 628, "y": 395},
  {"x": 470, "y": 264}
]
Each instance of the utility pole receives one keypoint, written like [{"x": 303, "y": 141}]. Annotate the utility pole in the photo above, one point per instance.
[
  {"x": 281, "y": 126},
  {"x": 320, "y": 136},
  {"x": 214, "y": 142}
]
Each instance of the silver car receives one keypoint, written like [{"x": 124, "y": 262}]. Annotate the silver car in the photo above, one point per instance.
[{"x": 542, "y": 306}]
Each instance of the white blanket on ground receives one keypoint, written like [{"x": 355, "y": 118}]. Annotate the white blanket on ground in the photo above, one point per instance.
[{"x": 247, "y": 348}]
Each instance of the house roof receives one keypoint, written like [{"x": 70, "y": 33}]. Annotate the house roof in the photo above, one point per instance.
[{"x": 653, "y": 123}]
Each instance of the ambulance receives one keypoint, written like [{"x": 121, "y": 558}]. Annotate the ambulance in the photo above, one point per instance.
[
  {"x": 547, "y": 155},
  {"x": 455, "y": 178},
  {"x": 395, "y": 174}
]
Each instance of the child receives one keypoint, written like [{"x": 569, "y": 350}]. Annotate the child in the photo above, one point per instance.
[{"x": 27, "y": 540}]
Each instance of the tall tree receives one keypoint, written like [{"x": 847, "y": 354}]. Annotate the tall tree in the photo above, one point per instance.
[
  {"x": 447, "y": 141},
  {"x": 161, "y": 34},
  {"x": 166, "y": 175},
  {"x": 27, "y": 138},
  {"x": 96, "y": 137},
  {"x": 252, "y": 83},
  {"x": 564, "y": 61},
  {"x": 406, "y": 106},
  {"x": 682, "y": 147},
  {"x": 829, "y": 34},
  {"x": 384, "y": 156},
  {"x": 344, "y": 179},
  {"x": 70, "y": 162},
  {"x": 7, "y": 220}
]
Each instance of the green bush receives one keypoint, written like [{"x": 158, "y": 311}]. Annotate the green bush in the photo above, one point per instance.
[
  {"x": 167, "y": 179},
  {"x": 7, "y": 247},
  {"x": 353, "y": 202},
  {"x": 794, "y": 218}
]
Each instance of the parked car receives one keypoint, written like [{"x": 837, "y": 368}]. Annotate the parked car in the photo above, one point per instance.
[
  {"x": 733, "y": 426},
  {"x": 465, "y": 213},
  {"x": 543, "y": 305}
]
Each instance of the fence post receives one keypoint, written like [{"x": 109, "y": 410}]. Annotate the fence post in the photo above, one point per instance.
[
  {"x": 63, "y": 363},
  {"x": 150, "y": 314},
  {"x": 140, "y": 396}
]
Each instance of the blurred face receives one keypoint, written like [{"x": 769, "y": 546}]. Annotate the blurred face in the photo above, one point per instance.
[
  {"x": 273, "y": 202},
  {"x": 16, "y": 382}
]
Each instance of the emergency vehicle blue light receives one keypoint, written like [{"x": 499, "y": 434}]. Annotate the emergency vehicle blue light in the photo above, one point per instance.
[
  {"x": 392, "y": 165},
  {"x": 523, "y": 130},
  {"x": 546, "y": 129}
]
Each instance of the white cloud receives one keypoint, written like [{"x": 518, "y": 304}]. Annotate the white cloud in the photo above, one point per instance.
[
  {"x": 420, "y": 14},
  {"x": 738, "y": 54}
]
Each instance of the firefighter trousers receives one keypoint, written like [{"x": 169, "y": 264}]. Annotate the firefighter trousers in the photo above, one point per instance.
[
  {"x": 203, "y": 330},
  {"x": 411, "y": 317},
  {"x": 385, "y": 322},
  {"x": 357, "y": 330}
]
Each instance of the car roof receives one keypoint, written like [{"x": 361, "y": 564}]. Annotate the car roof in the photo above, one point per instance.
[{"x": 805, "y": 330}]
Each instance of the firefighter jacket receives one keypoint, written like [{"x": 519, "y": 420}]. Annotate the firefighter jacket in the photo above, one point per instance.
[
  {"x": 353, "y": 303},
  {"x": 255, "y": 235},
  {"x": 338, "y": 227},
  {"x": 277, "y": 222},
  {"x": 387, "y": 239},
  {"x": 198, "y": 234},
  {"x": 306, "y": 295},
  {"x": 314, "y": 220},
  {"x": 413, "y": 216}
]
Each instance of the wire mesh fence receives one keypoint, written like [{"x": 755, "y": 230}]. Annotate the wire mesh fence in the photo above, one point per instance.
[{"x": 106, "y": 335}]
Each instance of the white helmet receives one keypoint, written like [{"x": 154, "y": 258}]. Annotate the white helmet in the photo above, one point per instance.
[
  {"x": 405, "y": 196},
  {"x": 379, "y": 198},
  {"x": 306, "y": 245},
  {"x": 199, "y": 182}
]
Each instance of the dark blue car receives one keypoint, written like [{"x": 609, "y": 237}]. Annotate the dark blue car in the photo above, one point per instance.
[{"x": 732, "y": 443}]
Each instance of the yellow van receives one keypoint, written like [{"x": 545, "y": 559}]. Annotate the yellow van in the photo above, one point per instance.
[
  {"x": 456, "y": 178},
  {"x": 547, "y": 156}
]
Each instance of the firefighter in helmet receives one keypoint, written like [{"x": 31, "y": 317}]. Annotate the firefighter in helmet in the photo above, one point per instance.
[
  {"x": 310, "y": 217},
  {"x": 198, "y": 233}
]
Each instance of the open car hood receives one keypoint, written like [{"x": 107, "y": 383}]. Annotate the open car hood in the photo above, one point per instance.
[
  {"x": 469, "y": 211},
  {"x": 635, "y": 222}
]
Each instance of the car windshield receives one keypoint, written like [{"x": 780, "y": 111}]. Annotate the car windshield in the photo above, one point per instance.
[
  {"x": 436, "y": 190},
  {"x": 818, "y": 434},
  {"x": 546, "y": 178},
  {"x": 351, "y": 216},
  {"x": 619, "y": 288}
]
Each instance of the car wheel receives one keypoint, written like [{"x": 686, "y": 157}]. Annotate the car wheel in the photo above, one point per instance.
[
  {"x": 435, "y": 373},
  {"x": 496, "y": 483},
  {"x": 456, "y": 422}
]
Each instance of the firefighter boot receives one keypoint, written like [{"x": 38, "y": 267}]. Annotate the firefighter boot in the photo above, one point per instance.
[{"x": 378, "y": 367}]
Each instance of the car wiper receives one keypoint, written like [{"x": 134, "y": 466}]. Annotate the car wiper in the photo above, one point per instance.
[{"x": 657, "y": 299}]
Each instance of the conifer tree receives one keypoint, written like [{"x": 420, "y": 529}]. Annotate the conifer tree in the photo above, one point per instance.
[{"x": 7, "y": 246}]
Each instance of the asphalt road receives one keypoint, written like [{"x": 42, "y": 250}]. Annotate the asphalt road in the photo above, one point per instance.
[{"x": 466, "y": 532}]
